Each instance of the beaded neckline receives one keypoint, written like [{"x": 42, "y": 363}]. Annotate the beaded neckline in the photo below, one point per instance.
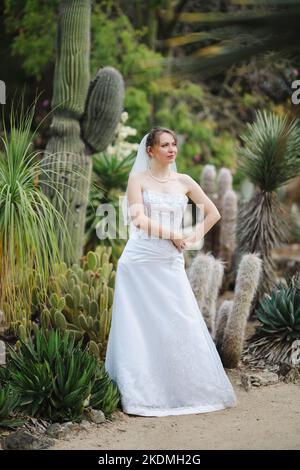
[{"x": 166, "y": 194}]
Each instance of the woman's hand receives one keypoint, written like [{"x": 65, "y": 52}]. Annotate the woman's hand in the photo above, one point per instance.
[{"x": 180, "y": 241}]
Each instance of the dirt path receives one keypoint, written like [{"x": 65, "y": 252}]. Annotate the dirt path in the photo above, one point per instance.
[{"x": 265, "y": 418}]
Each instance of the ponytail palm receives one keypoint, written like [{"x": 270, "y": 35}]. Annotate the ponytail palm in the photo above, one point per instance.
[
  {"x": 269, "y": 158},
  {"x": 28, "y": 241}
]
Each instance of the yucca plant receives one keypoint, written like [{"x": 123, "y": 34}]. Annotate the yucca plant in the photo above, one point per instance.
[
  {"x": 52, "y": 375},
  {"x": 109, "y": 179},
  {"x": 28, "y": 240},
  {"x": 277, "y": 337},
  {"x": 269, "y": 158}
]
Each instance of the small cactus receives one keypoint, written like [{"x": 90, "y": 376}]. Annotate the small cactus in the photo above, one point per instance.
[{"x": 82, "y": 300}]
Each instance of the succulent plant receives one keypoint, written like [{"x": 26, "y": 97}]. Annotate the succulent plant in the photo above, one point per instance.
[
  {"x": 205, "y": 276},
  {"x": 220, "y": 240},
  {"x": 8, "y": 405},
  {"x": 246, "y": 284},
  {"x": 277, "y": 337},
  {"x": 105, "y": 394},
  {"x": 81, "y": 300},
  {"x": 85, "y": 117}
]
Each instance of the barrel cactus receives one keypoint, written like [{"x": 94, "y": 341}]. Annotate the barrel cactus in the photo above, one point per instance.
[{"x": 85, "y": 116}]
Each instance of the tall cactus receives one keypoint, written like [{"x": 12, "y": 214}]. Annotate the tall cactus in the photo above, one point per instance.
[
  {"x": 209, "y": 185},
  {"x": 246, "y": 285},
  {"x": 84, "y": 119},
  {"x": 217, "y": 187},
  {"x": 228, "y": 235}
]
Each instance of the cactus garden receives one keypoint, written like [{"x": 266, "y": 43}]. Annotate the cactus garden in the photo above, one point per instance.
[{"x": 99, "y": 76}]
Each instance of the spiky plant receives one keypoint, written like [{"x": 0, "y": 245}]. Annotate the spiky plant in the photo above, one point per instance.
[
  {"x": 8, "y": 405},
  {"x": 277, "y": 337},
  {"x": 270, "y": 157},
  {"x": 28, "y": 238},
  {"x": 52, "y": 375}
]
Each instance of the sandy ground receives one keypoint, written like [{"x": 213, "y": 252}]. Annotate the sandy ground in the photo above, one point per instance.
[{"x": 266, "y": 417}]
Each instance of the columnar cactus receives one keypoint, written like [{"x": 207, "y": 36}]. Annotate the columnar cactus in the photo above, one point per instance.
[
  {"x": 205, "y": 276},
  {"x": 84, "y": 120},
  {"x": 209, "y": 186},
  {"x": 246, "y": 284},
  {"x": 228, "y": 235},
  {"x": 223, "y": 232},
  {"x": 221, "y": 321}
]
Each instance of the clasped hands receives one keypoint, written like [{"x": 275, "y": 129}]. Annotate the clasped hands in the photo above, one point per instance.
[{"x": 181, "y": 241}]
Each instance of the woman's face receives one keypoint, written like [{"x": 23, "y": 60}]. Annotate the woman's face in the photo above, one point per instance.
[{"x": 166, "y": 150}]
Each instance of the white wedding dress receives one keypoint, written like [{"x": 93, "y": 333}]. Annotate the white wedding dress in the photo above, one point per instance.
[{"x": 160, "y": 352}]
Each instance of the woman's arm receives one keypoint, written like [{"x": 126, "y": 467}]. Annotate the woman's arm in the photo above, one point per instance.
[
  {"x": 140, "y": 219},
  {"x": 212, "y": 215}
]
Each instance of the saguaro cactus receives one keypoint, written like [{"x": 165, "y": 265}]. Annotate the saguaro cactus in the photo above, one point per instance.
[{"x": 84, "y": 119}]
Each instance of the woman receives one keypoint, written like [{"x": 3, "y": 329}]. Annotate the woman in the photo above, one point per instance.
[{"x": 160, "y": 352}]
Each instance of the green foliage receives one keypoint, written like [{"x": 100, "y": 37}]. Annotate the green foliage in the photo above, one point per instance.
[
  {"x": 271, "y": 155},
  {"x": 279, "y": 313},
  {"x": 52, "y": 375},
  {"x": 117, "y": 43},
  {"x": 28, "y": 239},
  {"x": 56, "y": 379},
  {"x": 8, "y": 405},
  {"x": 110, "y": 176},
  {"x": 105, "y": 394},
  {"x": 33, "y": 28}
]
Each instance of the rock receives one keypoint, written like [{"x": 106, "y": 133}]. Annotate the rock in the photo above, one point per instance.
[
  {"x": 246, "y": 382},
  {"x": 263, "y": 378},
  {"x": 95, "y": 416},
  {"x": 21, "y": 440},
  {"x": 293, "y": 375},
  {"x": 59, "y": 431}
]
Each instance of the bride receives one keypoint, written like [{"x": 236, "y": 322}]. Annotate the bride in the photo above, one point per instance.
[{"x": 160, "y": 352}]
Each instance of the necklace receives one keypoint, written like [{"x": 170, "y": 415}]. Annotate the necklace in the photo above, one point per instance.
[{"x": 158, "y": 179}]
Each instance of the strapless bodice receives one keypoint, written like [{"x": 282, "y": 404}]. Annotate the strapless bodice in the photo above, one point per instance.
[{"x": 166, "y": 208}]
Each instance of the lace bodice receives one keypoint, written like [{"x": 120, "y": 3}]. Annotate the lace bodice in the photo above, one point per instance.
[{"x": 166, "y": 208}]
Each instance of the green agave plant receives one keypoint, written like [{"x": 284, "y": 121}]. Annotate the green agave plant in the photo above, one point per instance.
[
  {"x": 8, "y": 404},
  {"x": 28, "y": 238},
  {"x": 279, "y": 315},
  {"x": 52, "y": 375},
  {"x": 105, "y": 394},
  {"x": 56, "y": 379}
]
